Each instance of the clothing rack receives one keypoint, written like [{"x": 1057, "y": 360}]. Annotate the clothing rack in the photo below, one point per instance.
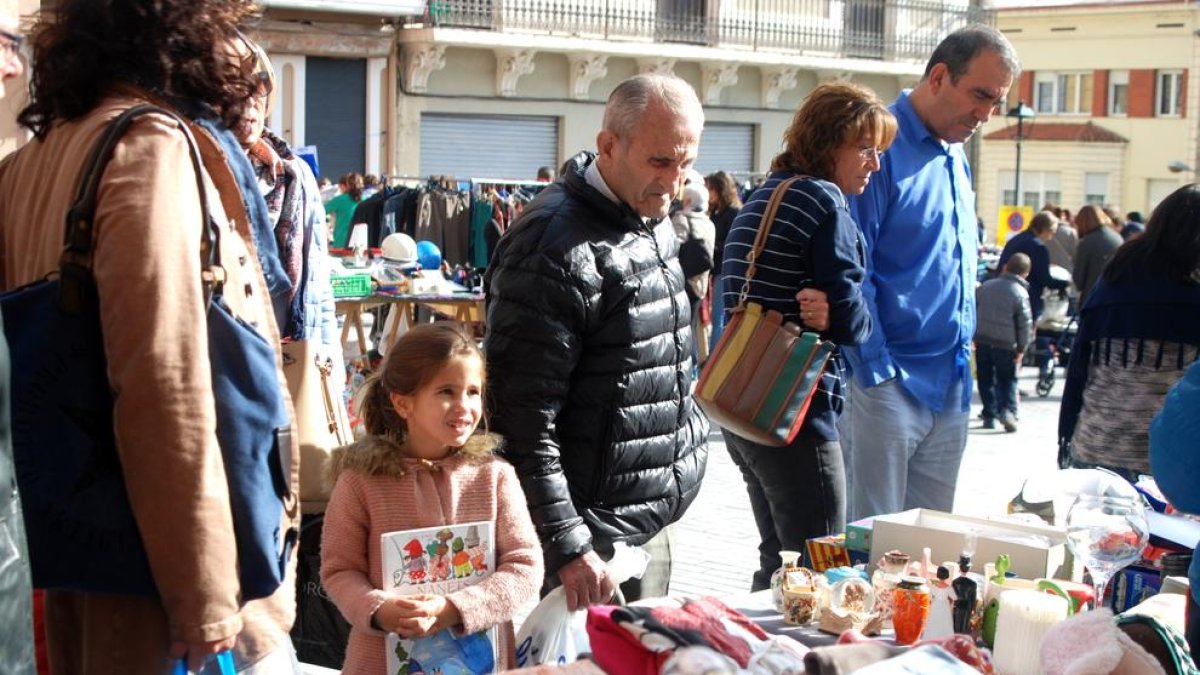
[{"x": 502, "y": 181}]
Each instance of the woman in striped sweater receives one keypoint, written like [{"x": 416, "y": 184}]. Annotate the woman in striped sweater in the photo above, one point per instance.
[{"x": 810, "y": 270}]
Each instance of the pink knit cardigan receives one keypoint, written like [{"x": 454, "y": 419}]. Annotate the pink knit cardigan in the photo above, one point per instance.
[{"x": 379, "y": 491}]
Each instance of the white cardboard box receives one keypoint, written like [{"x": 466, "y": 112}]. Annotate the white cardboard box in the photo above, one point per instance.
[{"x": 1034, "y": 551}]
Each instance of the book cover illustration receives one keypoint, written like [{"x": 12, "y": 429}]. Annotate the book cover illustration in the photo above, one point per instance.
[{"x": 440, "y": 560}]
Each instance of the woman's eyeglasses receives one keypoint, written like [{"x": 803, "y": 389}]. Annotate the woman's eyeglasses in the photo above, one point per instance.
[
  {"x": 869, "y": 153},
  {"x": 10, "y": 44},
  {"x": 262, "y": 84}
]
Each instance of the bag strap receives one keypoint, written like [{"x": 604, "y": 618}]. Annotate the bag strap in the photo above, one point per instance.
[
  {"x": 75, "y": 262},
  {"x": 764, "y": 230}
]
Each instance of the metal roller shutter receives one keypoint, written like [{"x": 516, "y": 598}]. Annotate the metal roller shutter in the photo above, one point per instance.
[
  {"x": 726, "y": 147},
  {"x": 335, "y": 113},
  {"x": 488, "y": 146}
]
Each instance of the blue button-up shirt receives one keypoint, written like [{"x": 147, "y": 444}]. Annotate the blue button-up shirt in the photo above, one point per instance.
[{"x": 918, "y": 219}]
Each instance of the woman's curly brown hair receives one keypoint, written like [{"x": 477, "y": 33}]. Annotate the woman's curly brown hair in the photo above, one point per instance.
[
  {"x": 83, "y": 48},
  {"x": 832, "y": 114}
]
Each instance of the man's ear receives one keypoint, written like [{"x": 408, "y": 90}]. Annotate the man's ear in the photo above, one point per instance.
[
  {"x": 606, "y": 141},
  {"x": 939, "y": 75}
]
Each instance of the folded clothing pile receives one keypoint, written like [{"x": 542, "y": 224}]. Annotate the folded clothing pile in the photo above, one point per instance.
[{"x": 701, "y": 636}]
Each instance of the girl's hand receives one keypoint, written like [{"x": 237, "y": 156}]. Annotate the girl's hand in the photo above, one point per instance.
[
  {"x": 423, "y": 615},
  {"x": 814, "y": 309}
]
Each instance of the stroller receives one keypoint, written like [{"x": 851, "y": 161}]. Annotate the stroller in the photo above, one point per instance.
[{"x": 1055, "y": 336}]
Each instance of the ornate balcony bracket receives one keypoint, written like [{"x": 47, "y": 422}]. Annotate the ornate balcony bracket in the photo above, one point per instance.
[
  {"x": 775, "y": 81},
  {"x": 834, "y": 75},
  {"x": 511, "y": 64},
  {"x": 420, "y": 61},
  {"x": 586, "y": 69},
  {"x": 714, "y": 78},
  {"x": 659, "y": 65}
]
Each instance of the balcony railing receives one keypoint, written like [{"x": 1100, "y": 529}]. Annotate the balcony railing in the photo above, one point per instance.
[{"x": 870, "y": 29}]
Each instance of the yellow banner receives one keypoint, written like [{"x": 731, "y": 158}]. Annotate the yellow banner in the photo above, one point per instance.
[{"x": 1011, "y": 220}]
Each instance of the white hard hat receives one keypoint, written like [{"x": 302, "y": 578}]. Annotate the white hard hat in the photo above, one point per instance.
[{"x": 399, "y": 247}]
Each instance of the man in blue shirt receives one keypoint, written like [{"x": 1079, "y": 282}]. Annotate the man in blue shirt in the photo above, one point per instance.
[{"x": 906, "y": 426}]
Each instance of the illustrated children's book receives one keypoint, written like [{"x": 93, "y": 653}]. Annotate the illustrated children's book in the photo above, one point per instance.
[{"x": 440, "y": 560}]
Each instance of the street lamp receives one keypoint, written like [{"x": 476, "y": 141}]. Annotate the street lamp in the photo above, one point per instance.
[
  {"x": 1179, "y": 166},
  {"x": 1021, "y": 112}
]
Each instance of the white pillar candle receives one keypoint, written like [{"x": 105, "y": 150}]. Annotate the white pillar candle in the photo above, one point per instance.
[{"x": 1023, "y": 620}]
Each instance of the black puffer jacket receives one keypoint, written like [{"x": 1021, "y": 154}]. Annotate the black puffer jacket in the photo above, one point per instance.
[{"x": 589, "y": 370}]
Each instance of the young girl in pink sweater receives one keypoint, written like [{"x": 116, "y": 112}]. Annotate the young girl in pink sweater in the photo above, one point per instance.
[{"x": 422, "y": 466}]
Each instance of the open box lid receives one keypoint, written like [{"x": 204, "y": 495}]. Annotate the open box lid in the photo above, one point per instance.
[{"x": 1034, "y": 550}]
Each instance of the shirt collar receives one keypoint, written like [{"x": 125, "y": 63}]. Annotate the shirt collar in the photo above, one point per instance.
[
  {"x": 593, "y": 178},
  {"x": 911, "y": 125}
]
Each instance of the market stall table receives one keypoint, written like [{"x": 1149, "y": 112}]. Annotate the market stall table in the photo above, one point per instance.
[{"x": 465, "y": 307}]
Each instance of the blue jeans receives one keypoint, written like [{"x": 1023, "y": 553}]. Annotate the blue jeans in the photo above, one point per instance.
[
  {"x": 796, "y": 492},
  {"x": 1045, "y": 356},
  {"x": 718, "y": 310},
  {"x": 996, "y": 370},
  {"x": 902, "y": 455}
]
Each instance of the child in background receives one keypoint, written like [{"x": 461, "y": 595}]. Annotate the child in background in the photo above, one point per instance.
[
  {"x": 1003, "y": 332},
  {"x": 422, "y": 466}
]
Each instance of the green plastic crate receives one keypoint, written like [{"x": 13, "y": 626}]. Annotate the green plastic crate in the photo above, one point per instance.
[{"x": 351, "y": 285}]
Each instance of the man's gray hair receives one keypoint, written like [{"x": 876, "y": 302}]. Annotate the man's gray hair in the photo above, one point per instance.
[
  {"x": 629, "y": 101},
  {"x": 960, "y": 47}
]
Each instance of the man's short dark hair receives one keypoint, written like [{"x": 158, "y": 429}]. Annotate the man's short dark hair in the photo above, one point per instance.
[
  {"x": 960, "y": 47},
  {"x": 1043, "y": 221},
  {"x": 1019, "y": 264},
  {"x": 1135, "y": 216}
]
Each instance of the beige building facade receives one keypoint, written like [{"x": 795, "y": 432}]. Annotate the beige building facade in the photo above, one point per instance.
[
  {"x": 483, "y": 88},
  {"x": 478, "y": 88},
  {"x": 1114, "y": 91}
]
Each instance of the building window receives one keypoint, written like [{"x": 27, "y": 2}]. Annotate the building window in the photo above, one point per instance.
[
  {"x": 1037, "y": 188},
  {"x": 1170, "y": 93},
  {"x": 1063, "y": 93},
  {"x": 1095, "y": 188},
  {"x": 1118, "y": 93}
]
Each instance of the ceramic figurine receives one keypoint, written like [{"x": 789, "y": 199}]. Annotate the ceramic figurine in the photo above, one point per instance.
[
  {"x": 941, "y": 603},
  {"x": 788, "y": 561},
  {"x": 965, "y": 590}
]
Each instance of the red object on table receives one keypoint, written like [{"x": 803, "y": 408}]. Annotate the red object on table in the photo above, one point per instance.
[{"x": 911, "y": 611}]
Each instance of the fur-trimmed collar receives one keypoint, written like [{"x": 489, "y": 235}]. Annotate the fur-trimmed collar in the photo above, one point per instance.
[{"x": 382, "y": 456}]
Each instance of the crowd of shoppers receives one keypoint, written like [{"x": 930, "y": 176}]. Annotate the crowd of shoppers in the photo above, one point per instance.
[{"x": 594, "y": 299}]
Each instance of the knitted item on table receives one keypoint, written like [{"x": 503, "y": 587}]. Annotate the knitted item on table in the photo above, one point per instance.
[{"x": 1091, "y": 644}]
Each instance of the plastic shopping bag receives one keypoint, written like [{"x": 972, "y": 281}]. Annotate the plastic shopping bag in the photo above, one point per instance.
[{"x": 552, "y": 634}]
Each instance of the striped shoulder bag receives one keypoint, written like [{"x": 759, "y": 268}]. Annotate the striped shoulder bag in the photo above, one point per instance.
[{"x": 759, "y": 380}]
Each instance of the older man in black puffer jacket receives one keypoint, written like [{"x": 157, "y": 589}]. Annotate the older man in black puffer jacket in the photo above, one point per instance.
[{"x": 589, "y": 347}]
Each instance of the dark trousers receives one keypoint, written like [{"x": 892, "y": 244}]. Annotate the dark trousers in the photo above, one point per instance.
[
  {"x": 1192, "y": 625},
  {"x": 996, "y": 372},
  {"x": 796, "y": 492}
]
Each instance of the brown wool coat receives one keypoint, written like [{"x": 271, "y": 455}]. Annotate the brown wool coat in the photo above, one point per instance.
[{"x": 147, "y": 268}]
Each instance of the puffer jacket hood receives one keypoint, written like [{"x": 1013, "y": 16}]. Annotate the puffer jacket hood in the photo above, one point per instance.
[{"x": 589, "y": 352}]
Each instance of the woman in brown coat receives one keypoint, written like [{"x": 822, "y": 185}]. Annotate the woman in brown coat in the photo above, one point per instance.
[{"x": 93, "y": 60}]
